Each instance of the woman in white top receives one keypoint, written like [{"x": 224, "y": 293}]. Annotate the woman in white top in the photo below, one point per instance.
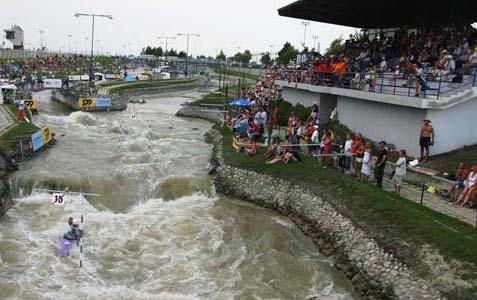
[
  {"x": 470, "y": 190},
  {"x": 366, "y": 166},
  {"x": 400, "y": 171}
]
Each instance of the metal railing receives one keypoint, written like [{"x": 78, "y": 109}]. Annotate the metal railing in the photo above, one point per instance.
[{"x": 409, "y": 85}]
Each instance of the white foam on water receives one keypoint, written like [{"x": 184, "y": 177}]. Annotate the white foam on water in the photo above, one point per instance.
[{"x": 195, "y": 247}]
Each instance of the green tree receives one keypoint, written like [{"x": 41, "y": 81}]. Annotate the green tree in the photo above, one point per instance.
[
  {"x": 158, "y": 51},
  {"x": 287, "y": 53},
  {"x": 266, "y": 60},
  {"x": 243, "y": 58},
  {"x": 337, "y": 47},
  {"x": 221, "y": 56},
  {"x": 172, "y": 52},
  {"x": 182, "y": 54}
]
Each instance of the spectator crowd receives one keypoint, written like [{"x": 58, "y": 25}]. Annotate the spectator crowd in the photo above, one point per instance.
[
  {"x": 257, "y": 124},
  {"x": 417, "y": 57}
]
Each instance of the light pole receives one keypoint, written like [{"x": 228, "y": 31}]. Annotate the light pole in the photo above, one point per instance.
[
  {"x": 85, "y": 45},
  {"x": 316, "y": 43},
  {"x": 305, "y": 24},
  {"x": 167, "y": 38},
  {"x": 188, "y": 35},
  {"x": 99, "y": 48},
  {"x": 69, "y": 42},
  {"x": 93, "y": 16},
  {"x": 41, "y": 39}
]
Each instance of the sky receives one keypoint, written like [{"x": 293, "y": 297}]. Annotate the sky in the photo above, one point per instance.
[{"x": 226, "y": 25}]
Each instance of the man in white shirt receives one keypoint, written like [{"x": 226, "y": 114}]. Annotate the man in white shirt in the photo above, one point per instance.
[
  {"x": 348, "y": 155},
  {"x": 315, "y": 140}
]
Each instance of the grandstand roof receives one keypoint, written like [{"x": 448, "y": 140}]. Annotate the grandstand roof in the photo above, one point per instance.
[{"x": 383, "y": 14}]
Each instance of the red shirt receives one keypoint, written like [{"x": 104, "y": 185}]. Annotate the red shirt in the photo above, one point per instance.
[{"x": 355, "y": 146}]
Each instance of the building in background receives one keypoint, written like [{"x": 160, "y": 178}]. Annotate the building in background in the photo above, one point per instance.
[{"x": 15, "y": 36}]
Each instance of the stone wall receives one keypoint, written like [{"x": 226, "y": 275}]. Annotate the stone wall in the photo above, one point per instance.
[
  {"x": 5, "y": 197},
  {"x": 212, "y": 113},
  {"x": 374, "y": 273}
]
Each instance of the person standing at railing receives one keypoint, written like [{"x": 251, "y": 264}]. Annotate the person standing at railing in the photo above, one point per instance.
[
  {"x": 471, "y": 64},
  {"x": 420, "y": 80},
  {"x": 426, "y": 139},
  {"x": 381, "y": 163}
]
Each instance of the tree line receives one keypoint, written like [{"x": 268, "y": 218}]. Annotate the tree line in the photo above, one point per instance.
[{"x": 287, "y": 53}]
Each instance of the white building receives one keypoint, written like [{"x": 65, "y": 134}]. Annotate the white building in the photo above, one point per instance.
[{"x": 15, "y": 36}]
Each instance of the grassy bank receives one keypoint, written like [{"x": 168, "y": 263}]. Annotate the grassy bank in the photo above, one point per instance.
[
  {"x": 399, "y": 225},
  {"x": 123, "y": 86},
  {"x": 448, "y": 162},
  {"x": 10, "y": 139},
  {"x": 234, "y": 73}
]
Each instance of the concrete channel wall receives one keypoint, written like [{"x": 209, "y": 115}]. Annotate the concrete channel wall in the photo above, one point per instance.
[{"x": 118, "y": 101}]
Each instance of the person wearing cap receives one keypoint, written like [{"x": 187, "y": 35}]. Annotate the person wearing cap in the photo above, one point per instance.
[
  {"x": 426, "y": 139},
  {"x": 381, "y": 163}
]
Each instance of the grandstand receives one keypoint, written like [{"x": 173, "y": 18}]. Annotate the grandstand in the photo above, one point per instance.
[{"x": 411, "y": 60}]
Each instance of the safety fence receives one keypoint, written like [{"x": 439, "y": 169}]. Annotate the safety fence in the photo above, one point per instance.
[{"x": 428, "y": 85}]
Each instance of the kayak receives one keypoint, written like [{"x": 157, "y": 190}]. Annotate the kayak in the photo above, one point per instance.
[{"x": 64, "y": 247}]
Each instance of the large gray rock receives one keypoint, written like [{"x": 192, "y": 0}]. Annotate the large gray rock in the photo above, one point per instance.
[{"x": 212, "y": 136}]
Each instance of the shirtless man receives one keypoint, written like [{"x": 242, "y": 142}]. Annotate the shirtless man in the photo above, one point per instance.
[{"x": 426, "y": 139}]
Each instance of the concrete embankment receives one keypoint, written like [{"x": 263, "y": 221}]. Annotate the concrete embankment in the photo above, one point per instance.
[
  {"x": 70, "y": 98},
  {"x": 120, "y": 100},
  {"x": 374, "y": 272},
  {"x": 5, "y": 197}
]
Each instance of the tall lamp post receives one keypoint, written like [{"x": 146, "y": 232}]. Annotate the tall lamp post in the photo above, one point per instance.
[
  {"x": 93, "y": 16},
  {"x": 69, "y": 43},
  {"x": 167, "y": 38},
  {"x": 188, "y": 35},
  {"x": 317, "y": 43},
  {"x": 305, "y": 24},
  {"x": 41, "y": 39}
]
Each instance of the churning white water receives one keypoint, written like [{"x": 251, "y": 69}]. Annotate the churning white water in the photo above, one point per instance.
[{"x": 158, "y": 231}]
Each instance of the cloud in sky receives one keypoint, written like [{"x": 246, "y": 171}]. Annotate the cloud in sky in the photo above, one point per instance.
[{"x": 222, "y": 24}]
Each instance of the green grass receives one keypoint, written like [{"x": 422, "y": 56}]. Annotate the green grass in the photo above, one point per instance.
[
  {"x": 399, "y": 225},
  {"x": 147, "y": 84},
  {"x": 222, "y": 96},
  {"x": 448, "y": 162},
  {"x": 233, "y": 73},
  {"x": 9, "y": 140}
]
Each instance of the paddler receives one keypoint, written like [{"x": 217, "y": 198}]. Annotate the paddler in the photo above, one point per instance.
[{"x": 75, "y": 232}]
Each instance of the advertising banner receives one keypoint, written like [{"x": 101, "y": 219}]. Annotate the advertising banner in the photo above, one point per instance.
[
  {"x": 37, "y": 140},
  {"x": 52, "y": 83},
  {"x": 103, "y": 102},
  {"x": 46, "y": 135},
  {"x": 74, "y": 77},
  {"x": 86, "y": 102},
  {"x": 31, "y": 104}
]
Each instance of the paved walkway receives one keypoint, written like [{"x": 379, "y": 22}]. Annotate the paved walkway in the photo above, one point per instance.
[
  {"x": 435, "y": 202},
  {"x": 7, "y": 120},
  {"x": 432, "y": 201}
]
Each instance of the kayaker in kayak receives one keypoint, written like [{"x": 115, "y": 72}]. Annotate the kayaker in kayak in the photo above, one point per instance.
[{"x": 75, "y": 232}]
